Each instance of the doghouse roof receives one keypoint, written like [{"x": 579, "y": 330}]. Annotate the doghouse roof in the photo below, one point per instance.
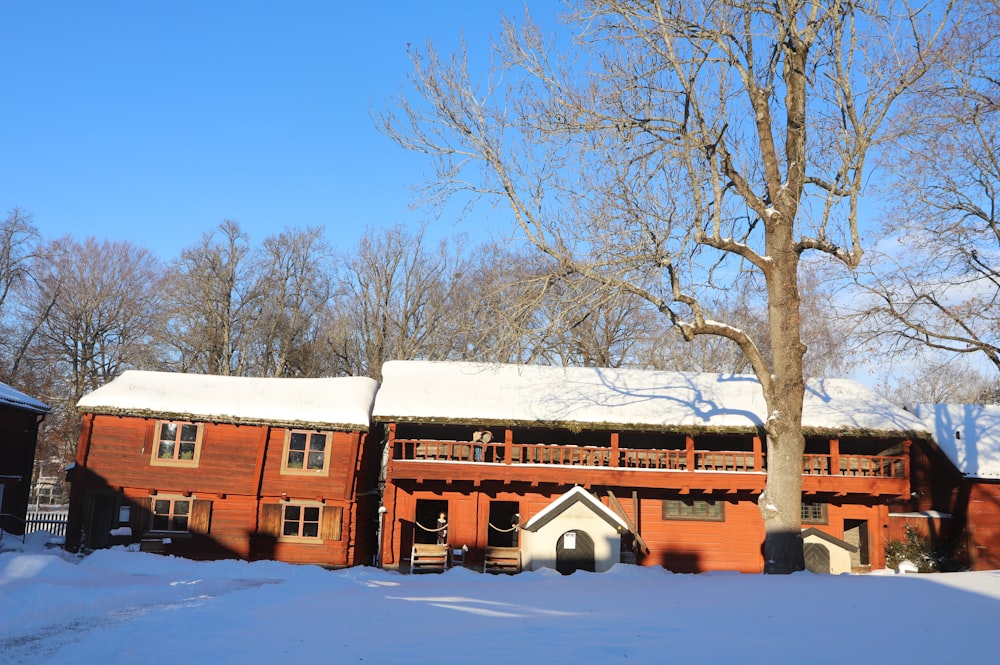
[
  {"x": 596, "y": 398},
  {"x": 833, "y": 540},
  {"x": 570, "y": 498}
]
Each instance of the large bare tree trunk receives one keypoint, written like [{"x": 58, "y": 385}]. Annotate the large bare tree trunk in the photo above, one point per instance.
[{"x": 780, "y": 504}]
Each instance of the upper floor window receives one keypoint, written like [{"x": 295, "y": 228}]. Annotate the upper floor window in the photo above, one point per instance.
[
  {"x": 177, "y": 443},
  {"x": 306, "y": 452}
]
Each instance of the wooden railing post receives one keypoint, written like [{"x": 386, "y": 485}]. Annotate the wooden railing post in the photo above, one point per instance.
[
  {"x": 614, "y": 449},
  {"x": 758, "y": 454},
  {"x": 834, "y": 457},
  {"x": 906, "y": 458},
  {"x": 508, "y": 446},
  {"x": 689, "y": 451}
]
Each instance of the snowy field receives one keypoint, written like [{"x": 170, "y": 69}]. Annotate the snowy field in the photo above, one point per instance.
[{"x": 117, "y": 606}]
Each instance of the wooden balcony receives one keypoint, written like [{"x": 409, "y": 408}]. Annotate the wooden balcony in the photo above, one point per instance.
[{"x": 684, "y": 469}]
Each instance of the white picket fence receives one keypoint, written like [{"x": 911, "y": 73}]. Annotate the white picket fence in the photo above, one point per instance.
[{"x": 53, "y": 521}]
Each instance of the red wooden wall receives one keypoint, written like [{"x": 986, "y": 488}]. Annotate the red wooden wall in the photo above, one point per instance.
[{"x": 239, "y": 471}]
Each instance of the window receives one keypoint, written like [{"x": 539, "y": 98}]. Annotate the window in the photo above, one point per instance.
[
  {"x": 177, "y": 443},
  {"x": 302, "y": 521},
  {"x": 707, "y": 510},
  {"x": 814, "y": 513},
  {"x": 306, "y": 452},
  {"x": 171, "y": 514}
]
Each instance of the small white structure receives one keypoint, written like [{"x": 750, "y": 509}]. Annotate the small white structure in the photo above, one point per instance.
[
  {"x": 826, "y": 554},
  {"x": 574, "y": 532}
]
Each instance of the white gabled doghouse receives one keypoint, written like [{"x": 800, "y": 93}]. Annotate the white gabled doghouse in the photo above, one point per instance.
[
  {"x": 825, "y": 553},
  {"x": 574, "y": 532}
]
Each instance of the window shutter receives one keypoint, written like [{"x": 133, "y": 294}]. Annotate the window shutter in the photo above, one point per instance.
[
  {"x": 270, "y": 520},
  {"x": 333, "y": 521},
  {"x": 199, "y": 520},
  {"x": 139, "y": 517}
]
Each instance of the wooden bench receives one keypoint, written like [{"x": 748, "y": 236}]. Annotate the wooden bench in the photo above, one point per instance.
[
  {"x": 502, "y": 560},
  {"x": 428, "y": 558}
]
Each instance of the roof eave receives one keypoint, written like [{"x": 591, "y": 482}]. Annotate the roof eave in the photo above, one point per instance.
[{"x": 222, "y": 419}]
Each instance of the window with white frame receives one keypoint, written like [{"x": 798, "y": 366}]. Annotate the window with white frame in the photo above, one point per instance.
[
  {"x": 177, "y": 443},
  {"x": 306, "y": 452},
  {"x": 300, "y": 521},
  {"x": 171, "y": 514}
]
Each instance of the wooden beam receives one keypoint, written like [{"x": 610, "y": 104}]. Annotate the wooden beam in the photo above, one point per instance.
[{"x": 616, "y": 506}]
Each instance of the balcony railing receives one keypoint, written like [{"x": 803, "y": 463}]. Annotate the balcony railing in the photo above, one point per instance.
[
  {"x": 871, "y": 466},
  {"x": 672, "y": 459}
]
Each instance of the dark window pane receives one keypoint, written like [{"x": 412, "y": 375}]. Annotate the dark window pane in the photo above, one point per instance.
[
  {"x": 166, "y": 450},
  {"x": 297, "y": 441},
  {"x": 316, "y": 460},
  {"x": 295, "y": 459},
  {"x": 189, "y": 432},
  {"x": 317, "y": 442},
  {"x": 310, "y": 530}
]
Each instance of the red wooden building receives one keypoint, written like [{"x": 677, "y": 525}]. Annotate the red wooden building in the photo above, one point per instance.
[
  {"x": 20, "y": 417},
  {"x": 216, "y": 466},
  {"x": 676, "y": 458},
  {"x": 956, "y": 485}
]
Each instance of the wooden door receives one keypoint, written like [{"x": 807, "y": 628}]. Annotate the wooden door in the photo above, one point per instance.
[
  {"x": 817, "y": 557},
  {"x": 575, "y": 551}
]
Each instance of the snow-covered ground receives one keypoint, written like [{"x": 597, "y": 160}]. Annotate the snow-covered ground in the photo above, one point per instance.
[{"x": 118, "y": 606}]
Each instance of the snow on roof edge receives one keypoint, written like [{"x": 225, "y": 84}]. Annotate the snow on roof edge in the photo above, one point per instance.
[
  {"x": 607, "y": 398},
  {"x": 15, "y": 398},
  {"x": 967, "y": 434},
  {"x": 339, "y": 403}
]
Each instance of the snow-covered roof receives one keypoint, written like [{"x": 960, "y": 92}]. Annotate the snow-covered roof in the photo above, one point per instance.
[
  {"x": 18, "y": 400},
  {"x": 969, "y": 434},
  {"x": 574, "y": 495},
  {"x": 454, "y": 392},
  {"x": 338, "y": 403}
]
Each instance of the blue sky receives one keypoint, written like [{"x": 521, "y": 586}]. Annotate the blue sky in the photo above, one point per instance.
[{"x": 155, "y": 121}]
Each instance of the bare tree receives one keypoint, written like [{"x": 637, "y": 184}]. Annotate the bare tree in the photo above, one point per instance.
[
  {"x": 19, "y": 246},
  {"x": 94, "y": 306},
  {"x": 101, "y": 300},
  {"x": 503, "y": 302},
  {"x": 394, "y": 301},
  {"x": 935, "y": 280},
  {"x": 679, "y": 145},
  {"x": 213, "y": 302},
  {"x": 947, "y": 382},
  {"x": 295, "y": 287}
]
